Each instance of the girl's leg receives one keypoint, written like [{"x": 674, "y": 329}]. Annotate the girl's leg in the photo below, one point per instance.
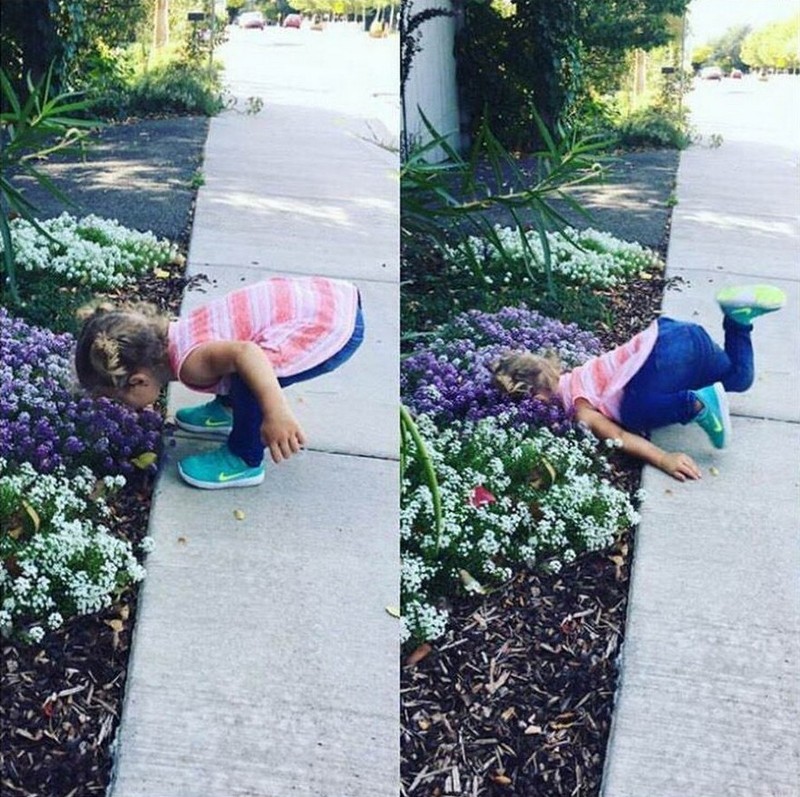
[
  {"x": 683, "y": 360},
  {"x": 739, "y": 348},
  {"x": 245, "y": 436}
]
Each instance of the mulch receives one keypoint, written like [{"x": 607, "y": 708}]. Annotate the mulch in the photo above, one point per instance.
[{"x": 516, "y": 698}]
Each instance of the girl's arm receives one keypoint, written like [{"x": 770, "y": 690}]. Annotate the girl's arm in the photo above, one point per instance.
[
  {"x": 678, "y": 465},
  {"x": 209, "y": 362}
]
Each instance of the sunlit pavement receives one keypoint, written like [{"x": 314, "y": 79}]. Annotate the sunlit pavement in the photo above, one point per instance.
[
  {"x": 340, "y": 68},
  {"x": 265, "y": 661},
  {"x": 710, "y": 692}
]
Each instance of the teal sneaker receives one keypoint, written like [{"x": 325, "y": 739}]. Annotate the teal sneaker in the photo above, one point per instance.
[
  {"x": 219, "y": 469},
  {"x": 715, "y": 418},
  {"x": 743, "y": 303},
  {"x": 210, "y": 418}
]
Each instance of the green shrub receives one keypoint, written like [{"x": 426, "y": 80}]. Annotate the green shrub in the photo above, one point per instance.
[
  {"x": 177, "y": 87},
  {"x": 653, "y": 128}
]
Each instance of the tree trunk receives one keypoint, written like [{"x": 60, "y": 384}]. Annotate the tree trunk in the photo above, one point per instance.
[
  {"x": 161, "y": 24},
  {"x": 640, "y": 74}
]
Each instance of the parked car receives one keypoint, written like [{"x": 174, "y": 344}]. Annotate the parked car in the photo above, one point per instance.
[
  {"x": 293, "y": 21},
  {"x": 736, "y": 74},
  {"x": 711, "y": 73},
  {"x": 251, "y": 19}
]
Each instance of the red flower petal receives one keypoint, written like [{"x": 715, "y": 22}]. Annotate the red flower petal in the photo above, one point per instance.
[{"x": 480, "y": 496}]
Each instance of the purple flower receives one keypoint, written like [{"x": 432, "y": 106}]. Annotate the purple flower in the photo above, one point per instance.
[
  {"x": 44, "y": 423},
  {"x": 450, "y": 379}
]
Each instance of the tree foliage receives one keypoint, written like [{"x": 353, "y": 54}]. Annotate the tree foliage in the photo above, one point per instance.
[
  {"x": 775, "y": 46},
  {"x": 724, "y": 51},
  {"x": 547, "y": 55}
]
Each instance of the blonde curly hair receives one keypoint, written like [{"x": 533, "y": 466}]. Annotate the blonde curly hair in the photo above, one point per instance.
[
  {"x": 521, "y": 373},
  {"x": 115, "y": 341}
]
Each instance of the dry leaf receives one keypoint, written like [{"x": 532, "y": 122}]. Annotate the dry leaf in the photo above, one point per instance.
[
  {"x": 531, "y": 730},
  {"x": 144, "y": 460},
  {"x": 472, "y": 584},
  {"x": 713, "y": 471},
  {"x": 419, "y": 654},
  {"x": 501, "y": 780},
  {"x": 115, "y": 625},
  {"x": 238, "y": 514},
  {"x": 394, "y": 611},
  {"x": 32, "y": 514},
  {"x": 161, "y": 274}
]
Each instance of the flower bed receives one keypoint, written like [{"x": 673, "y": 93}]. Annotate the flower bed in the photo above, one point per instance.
[
  {"x": 515, "y": 485},
  {"x": 59, "y": 557},
  {"x": 577, "y": 257},
  {"x": 449, "y": 378},
  {"x": 92, "y": 251},
  {"x": 43, "y": 421}
]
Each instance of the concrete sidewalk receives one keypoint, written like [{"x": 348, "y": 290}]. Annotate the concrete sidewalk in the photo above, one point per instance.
[
  {"x": 710, "y": 691},
  {"x": 264, "y": 661}
]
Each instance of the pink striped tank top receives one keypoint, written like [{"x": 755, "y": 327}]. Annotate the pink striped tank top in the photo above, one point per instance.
[
  {"x": 299, "y": 322},
  {"x": 602, "y": 380}
]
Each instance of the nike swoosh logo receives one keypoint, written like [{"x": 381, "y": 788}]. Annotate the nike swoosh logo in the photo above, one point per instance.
[
  {"x": 209, "y": 422},
  {"x": 717, "y": 425},
  {"x": 226, "y": 477}
]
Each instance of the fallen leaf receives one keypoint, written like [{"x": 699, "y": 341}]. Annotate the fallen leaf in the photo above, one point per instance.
[
  {"x": 419, "y": 654},
  {"x": 423, "y": 724},
  {"x": 144, "y": 460},
  {"x": 238, "y": 514},
  {"x": 533, "y": 729},
  {"x": 115, "y": 625},
  {"x": 161, "y": 274},
  {"x": 394, "y": 611},
  {"x": 32, "y": 514},
  {"x": 501, "y": 780},
  {"x": 713, "y": 471},
  {"x": 472, "y": 584}
]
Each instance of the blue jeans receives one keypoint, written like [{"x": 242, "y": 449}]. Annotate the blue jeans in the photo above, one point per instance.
[
  {"x": 685, "y": 359},
  {"x": 245, "y": 436}
]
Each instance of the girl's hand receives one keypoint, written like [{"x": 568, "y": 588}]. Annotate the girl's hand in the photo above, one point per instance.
[
  {"x": 680, "y": 466},
  {"x": 282, "y": 435}
]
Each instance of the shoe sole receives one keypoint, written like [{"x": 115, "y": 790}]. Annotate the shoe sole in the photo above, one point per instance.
[
  {"x": 249, "y": 481},
  {"x": 728, "y": 302},
  {"x": 217, "y": 431}
]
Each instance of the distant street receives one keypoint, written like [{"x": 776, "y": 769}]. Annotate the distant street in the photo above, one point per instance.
[
  {"x": 748, "y": 109},
  {"x": 339, "y": 68}
]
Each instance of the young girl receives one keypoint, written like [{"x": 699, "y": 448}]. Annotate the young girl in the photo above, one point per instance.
[
  {"x": 670, "y": 373},
  {"x": 243, "y": 348}
]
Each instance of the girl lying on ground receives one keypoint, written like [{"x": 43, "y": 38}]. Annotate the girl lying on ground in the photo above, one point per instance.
[
  {"x": 243, "y": 348},
  {"x": 672, "y": 372}
]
